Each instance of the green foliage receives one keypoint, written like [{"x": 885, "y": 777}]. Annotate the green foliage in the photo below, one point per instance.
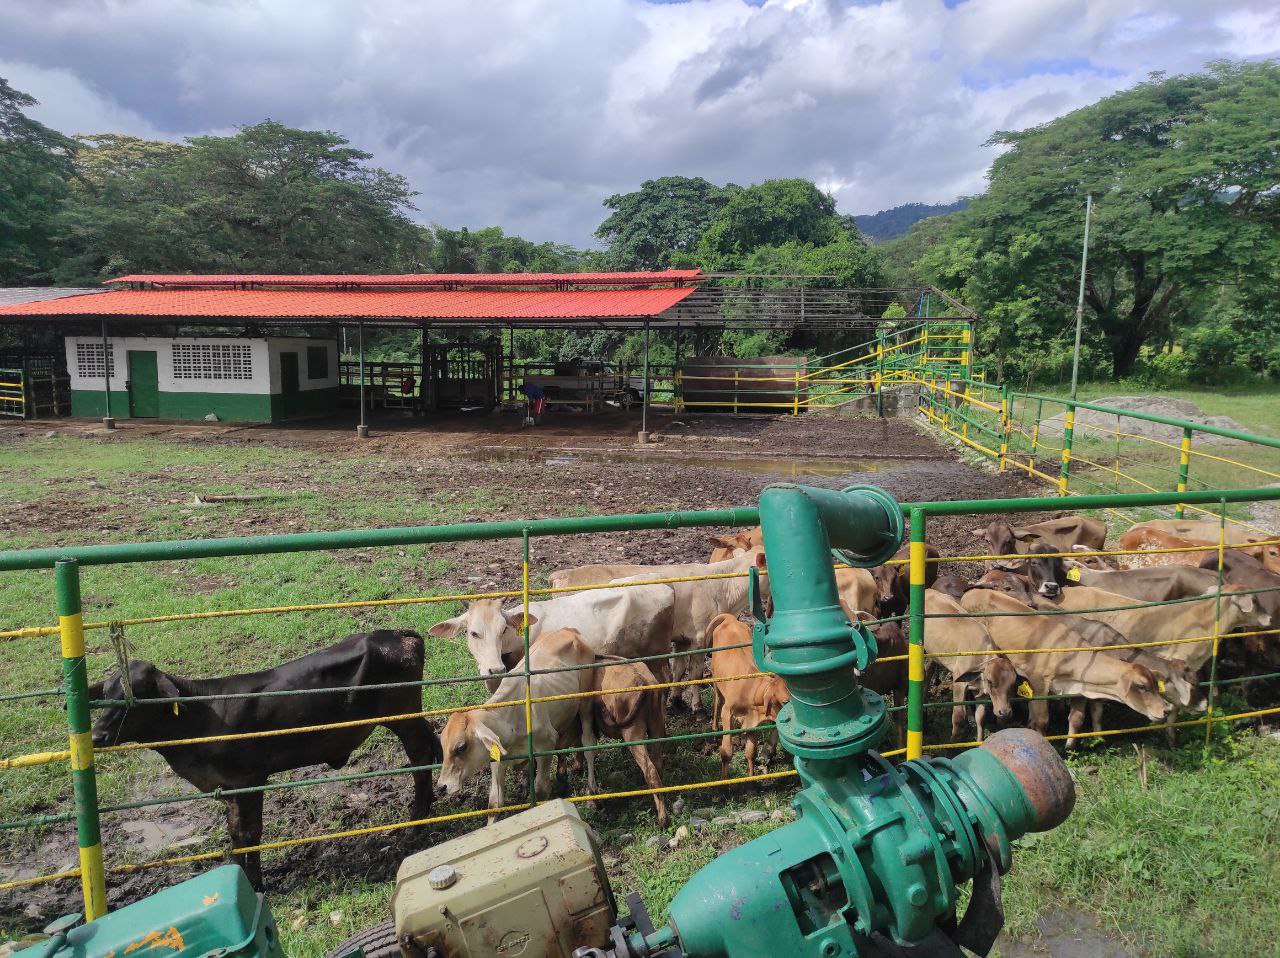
[
  {"x": 655, "y": 226},
  {"x": 1184, "y": 171},
  {"x": 771, "y": 213},
  {"x": 35, "y": 163},
  {"x": 266, "y": 199},
  {"x": 490, "y": 250}
]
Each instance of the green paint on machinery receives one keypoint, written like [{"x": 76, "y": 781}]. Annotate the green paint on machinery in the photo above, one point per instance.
[
  {"x": 872, "y": 864},
  {"x": 214, "y": 914}
]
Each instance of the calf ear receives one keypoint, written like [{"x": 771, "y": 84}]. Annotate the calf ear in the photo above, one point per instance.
[
  {"x": 515, "y": 619},
  {"x": 1022, "y": 535},
  {"x": 448, "y": 628},
  {"x": 721, "y": 542},
  {"x": 490, "y": 741}
]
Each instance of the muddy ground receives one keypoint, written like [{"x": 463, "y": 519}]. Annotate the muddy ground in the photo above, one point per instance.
[{"x": 567, "y": 466}]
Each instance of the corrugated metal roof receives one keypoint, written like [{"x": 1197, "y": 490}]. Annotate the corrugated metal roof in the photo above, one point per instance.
[
  {"x": 356, "y": 304},
  {"x": 16, "y": 295},
  {"x": 411, "y": 280}
]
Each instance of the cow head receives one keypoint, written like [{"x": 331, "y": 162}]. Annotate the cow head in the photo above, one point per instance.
[
  {"x": 1182, "y": 685},
  {"x": 141, "y": 723},
  {"x": 489, "y": 630},
  {"x": 1011, "y": 584},
  {"x": 734, "y": 544},
  {"x": 997, "y": 679},
  {"x": 1041, "y": 566},
  {"x": 468, "y": 745},
  {"x": 999, "y": 536},
  {"x": 950, "y": 584},
  {"x": 1139, "y": 689},
  {"x": 891, "y": 593}
]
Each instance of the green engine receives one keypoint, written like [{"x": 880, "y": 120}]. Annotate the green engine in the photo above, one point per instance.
[{"x": 872, "y": 864}]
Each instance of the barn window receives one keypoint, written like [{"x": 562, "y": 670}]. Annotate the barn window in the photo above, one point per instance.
[
  {"x": 89, "y": 361},
  {"x": 317, "y": 362},
  {"x": 212, "y": 361}
]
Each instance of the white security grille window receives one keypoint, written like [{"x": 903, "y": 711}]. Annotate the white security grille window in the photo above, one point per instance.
[
  {"x": 212, "y": 361},
  {"x": 89, "y": 363}
]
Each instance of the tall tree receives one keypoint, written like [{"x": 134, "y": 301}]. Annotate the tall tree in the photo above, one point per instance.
[
  {"x": 35, "y": 163},
  {"x": 1185, "y": 172},
  {"x": 662, "y": 220},
  {"x": 770, "y": 214},
  {"x": 265, "y": 199}
]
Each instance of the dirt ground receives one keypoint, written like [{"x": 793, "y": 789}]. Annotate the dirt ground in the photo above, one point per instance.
[{"x": 570, "y": 465}]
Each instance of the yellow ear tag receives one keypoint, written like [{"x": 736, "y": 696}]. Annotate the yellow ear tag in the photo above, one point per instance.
[
  {"x": 495, "y": 753},
  {"x": 1160, "y": 684},
  {"x": 1024, "y": 690},
  {"x": 175, "y": 708},
  {"x": 1073, "y": 574}
]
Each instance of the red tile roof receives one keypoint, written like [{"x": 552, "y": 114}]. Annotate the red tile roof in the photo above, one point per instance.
[
  {"x": 331, "y": 304},
  {"x": 412, "y": 280}
]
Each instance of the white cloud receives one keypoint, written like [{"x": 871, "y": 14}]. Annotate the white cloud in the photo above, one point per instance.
[{"x": 527, "y": 113}]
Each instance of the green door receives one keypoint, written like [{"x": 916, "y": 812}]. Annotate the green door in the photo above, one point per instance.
[
  {"x": 144, "y": 385},
  {"x": 289, "y": 405}
]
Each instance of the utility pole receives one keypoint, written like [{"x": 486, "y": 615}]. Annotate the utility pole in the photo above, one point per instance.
[{"x": 1084, "y": 268}]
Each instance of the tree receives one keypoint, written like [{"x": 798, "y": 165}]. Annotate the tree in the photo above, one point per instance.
[
  {"x": 665, "y": 218},
  {"x": 1185, "y": 174},
  {"x": 490, "y": 250},
  {"x": 266, "y": 199},
  {"x": 35, "y": 163},
  {"x": 770, "y": 214}
]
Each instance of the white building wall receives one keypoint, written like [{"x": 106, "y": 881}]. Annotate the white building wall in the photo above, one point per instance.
[
  {"x": 264, "y": 360},
  {"x": 300, "y": 345}
]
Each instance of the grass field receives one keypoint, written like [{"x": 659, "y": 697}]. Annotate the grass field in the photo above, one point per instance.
[{"x": 1189, "y": 865}]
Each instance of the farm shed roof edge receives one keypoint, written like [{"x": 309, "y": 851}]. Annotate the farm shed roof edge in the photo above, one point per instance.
[
  {"x": 669, "y": 277},
  {"x": 356, "y": 305}
]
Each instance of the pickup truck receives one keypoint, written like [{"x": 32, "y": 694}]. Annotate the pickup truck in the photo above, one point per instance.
[{"x": 589, "y": 381}]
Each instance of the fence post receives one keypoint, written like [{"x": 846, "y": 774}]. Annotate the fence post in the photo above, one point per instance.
[
  {"x": 736, "y": 374},
  {"x": 1184, "y": 466},
  {"x": 1004, "y": 424},
  {"x": 75, "y": 682},
  {"x": 967, "y": 333},
  {"x": 795, "y": 401},
  {"x": 915, "y": 638},
  {"x": 1035, "y": 429},
  {"x": 528, "y": 678},
  {"x": 964, "y": 420},
  {"x": 1068, "y": 428},
  {"x": 1217, "y": 622},
  {"x": 880, "y": 373}
]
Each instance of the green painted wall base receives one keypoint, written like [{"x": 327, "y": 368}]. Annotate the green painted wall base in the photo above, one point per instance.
[{"x": 228, "y": 407}]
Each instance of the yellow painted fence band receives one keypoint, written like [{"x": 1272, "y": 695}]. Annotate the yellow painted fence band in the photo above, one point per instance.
[
  {"x": 81, "y": 751},
  {"x": 71, "y": 628}
]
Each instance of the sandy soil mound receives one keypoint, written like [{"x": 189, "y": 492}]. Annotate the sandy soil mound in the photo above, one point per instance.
[{"x": 1152, "y": 405}]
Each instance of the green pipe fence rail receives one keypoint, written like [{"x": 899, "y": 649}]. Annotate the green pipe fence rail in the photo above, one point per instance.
[{"x": 81, "y": 755}]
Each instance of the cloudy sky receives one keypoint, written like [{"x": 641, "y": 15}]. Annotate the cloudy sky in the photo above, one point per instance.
[{"x": 527, "y": 113}]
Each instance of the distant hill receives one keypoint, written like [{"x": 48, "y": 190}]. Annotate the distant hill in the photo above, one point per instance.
[{"x": 892, "y": 223}]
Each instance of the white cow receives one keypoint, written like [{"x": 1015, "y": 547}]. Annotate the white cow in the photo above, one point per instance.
[{"x": 625, "y": 622}]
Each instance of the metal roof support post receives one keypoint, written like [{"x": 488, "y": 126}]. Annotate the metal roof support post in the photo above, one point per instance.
[
  {"x": 644, "y": 398},
  {"x": 107, "y": 420},
  {"x": 362, "y": 430}
]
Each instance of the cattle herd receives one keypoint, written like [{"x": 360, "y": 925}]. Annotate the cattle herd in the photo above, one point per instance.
[{"x": 1035, "y": 624}]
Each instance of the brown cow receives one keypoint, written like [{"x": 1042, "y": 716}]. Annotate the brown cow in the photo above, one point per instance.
[
  {"x": 1092, "y": 675},
  {"x": 1063, "y": 534},
  {"x": 1154, "y": 584},
  {"x": 735, "y": 543},
  {"x": 634, "y": 716},
  {"x": 1207, "y": 531},
  {"x": 948, "y": 630},
  {"x": 1247, "y": 573},
  {"x": 747, "y": 703},
  {"x": 893, "y": 582},
  {"x": 1154, "y": 540}
]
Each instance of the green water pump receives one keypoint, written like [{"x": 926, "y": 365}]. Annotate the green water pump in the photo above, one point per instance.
[{"x": 871, "y": 865}]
